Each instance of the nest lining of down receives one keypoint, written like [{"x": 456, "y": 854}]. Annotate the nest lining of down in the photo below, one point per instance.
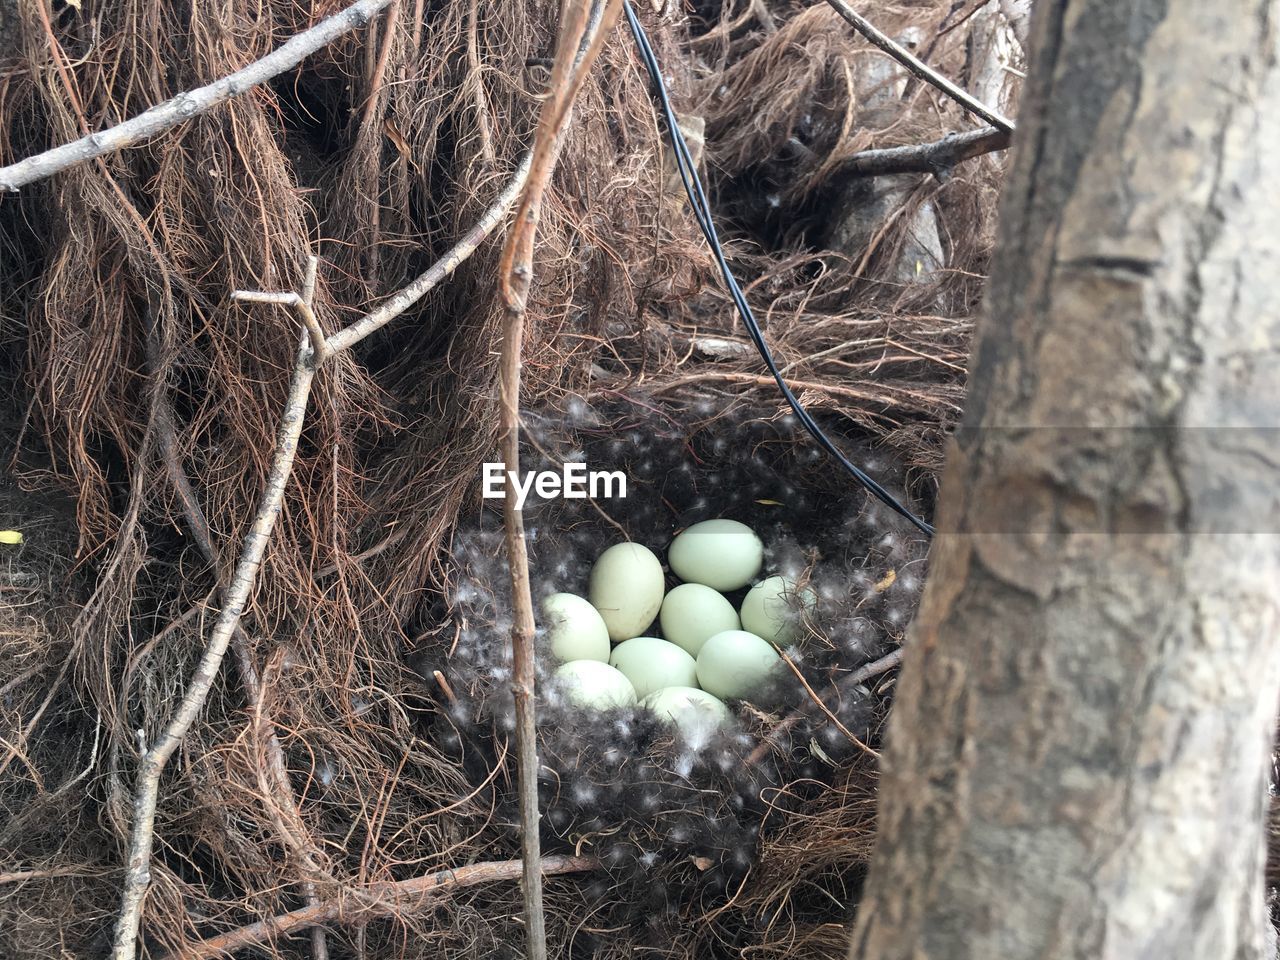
[{"x": 678, "y": 821}]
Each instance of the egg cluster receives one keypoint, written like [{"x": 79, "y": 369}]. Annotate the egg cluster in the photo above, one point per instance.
[
  {"x": 709, "y": 651},
  {"x": 675, "y": 802}
]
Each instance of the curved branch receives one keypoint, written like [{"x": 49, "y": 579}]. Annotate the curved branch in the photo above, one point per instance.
[{"x": 192, "y": 103}]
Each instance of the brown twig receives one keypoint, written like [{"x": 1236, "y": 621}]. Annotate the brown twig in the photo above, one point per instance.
[
  {"x": 919, "y": 67},
  {"x": 818, "y": 702},
  {"x": 240, "y": 587},
  {"x": 476, "y": 81},
  {"x": 445, "y": 687},
  {"x": 380, "y": 70},
  {"x": 938, "y": 157},
  {"x": 861, "y": 675},
  {"x": 368, "y": 133},
  {"x": 192, "y": 103},
  {"x": 377, "y": 900},
  {"x": 576, "y": 50},
  {"x": 22, "y": 876}
]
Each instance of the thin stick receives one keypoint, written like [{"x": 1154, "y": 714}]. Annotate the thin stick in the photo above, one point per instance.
[
  {"x": 918, "y": 67},
  {"x": 378, "y": 900},
  {"x": 861, "y": 675},
  {"x": 938, "y": 157},
  {"x": 138, "y": 867},
  {"x": 576, "y": 49},
  {"x": 319, "y": 345},
  {"x": 874, "y": 669},
  {"x": 282, "y": 794},
  {"x": 380, "y": 71},
  {"x": 21, "y": 876},
  {"x": 192, "y": 103},
  {"x": 440, "y": 270},
  {"x": 817, "y": 700}
]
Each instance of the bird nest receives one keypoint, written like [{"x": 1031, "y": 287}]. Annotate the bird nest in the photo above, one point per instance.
[{"x": 691, "y": 831}]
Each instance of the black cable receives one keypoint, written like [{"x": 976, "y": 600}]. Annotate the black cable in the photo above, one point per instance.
[{"x": 702, "y": 213}]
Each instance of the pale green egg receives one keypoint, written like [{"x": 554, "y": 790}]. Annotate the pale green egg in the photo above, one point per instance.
[
  {"x": 695, "y": 712},
  {"x": 772, "y": 609},
  {"x": 651, "y": 664},
  {"x": 733, "y": 664},
  {"x": 692, "y": 612},
  {"x": 590, "y": 683},
  {"x": 575, "y": 630},
  {"x": 626, "y": 588},
  {"x": 722, "y": 554}
]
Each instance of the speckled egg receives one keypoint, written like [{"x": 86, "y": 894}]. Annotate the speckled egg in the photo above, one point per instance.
[
  {"x": 772, "y": 609},
  {"x": 692, "y": 612},
  {"x": 721, "y": 554},
  {"x": 733, "y": 664},
  {"x": 651, "y": 664},
  {"x": 590, "y": 683},
  {"x": 575, "y": 630},
  {"x": 626, "y": 588}
]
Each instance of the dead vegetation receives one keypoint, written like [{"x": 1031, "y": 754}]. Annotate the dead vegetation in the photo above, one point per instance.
[{"x": 132, "y": 368}]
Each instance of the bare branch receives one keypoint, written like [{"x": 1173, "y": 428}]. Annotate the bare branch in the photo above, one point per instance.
[
  {"x": 279, "y": 794},
  {"x": 918, "y": 67},
  {"x": 438, "y": 271},
  {"x": 875, "y": 668},
  {"x": 138, "y": 866},
  {"x": 938, "y": 158},
  {"x": 582, "y": 33},
  {"x": 192, "y": 103},
  {"x": 378, "y": 900},
  {"x": 302, "y": 307}
]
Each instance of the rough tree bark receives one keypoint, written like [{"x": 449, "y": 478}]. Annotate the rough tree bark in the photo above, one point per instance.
[{"x": 1076, "y": 765}]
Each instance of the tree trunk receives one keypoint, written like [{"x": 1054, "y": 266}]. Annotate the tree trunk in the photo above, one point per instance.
[{"x": 1078, "y": 756}]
